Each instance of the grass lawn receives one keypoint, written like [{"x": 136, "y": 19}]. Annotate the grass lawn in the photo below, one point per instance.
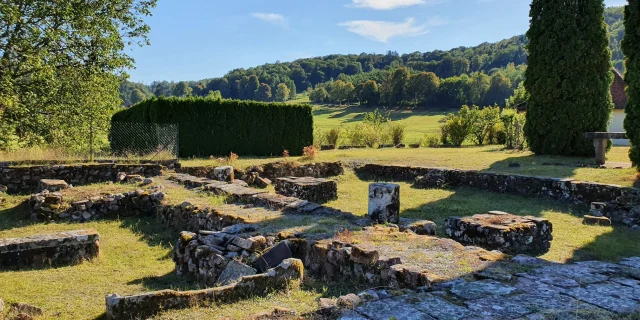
[
  {"x": 489, "y": 158},
  {"x": 417, "y": 122}
]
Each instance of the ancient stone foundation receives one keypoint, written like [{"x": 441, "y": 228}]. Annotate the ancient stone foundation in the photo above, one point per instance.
[
  {"x": 50, "y": 206},
  {"x": 561, "y": 189},
  {"x": 147, "y": 304},
  {"x": 318, "y": 190},
  {"x": 502, "y": 231},
  {"x": 27, "y": 179},
  {"x": 274, "y": 170},
  {"x": 384, "y": 202},
  {"x": 65, "y": 248}
]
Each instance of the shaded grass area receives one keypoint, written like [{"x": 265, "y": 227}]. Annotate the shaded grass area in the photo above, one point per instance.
[{"x": 487, "y": 158}]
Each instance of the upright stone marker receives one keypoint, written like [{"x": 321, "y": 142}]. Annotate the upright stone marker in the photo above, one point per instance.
[
  {"x": 224, "y": 173},
  {"x": 384, "y": 202}
]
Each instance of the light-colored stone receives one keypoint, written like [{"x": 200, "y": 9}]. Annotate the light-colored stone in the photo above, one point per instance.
[
  {"x": 53, "y": 185},
  {"x": 349, "y": 301},
  {"x": 233, "y": 272},
  {"x": 384, "y": 202},
  {"x": 224, "y": 173}
]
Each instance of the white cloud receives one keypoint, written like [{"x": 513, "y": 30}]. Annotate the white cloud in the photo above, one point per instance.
[
  {"x": 271, "y": 17},
  {"x": 390, "y": 4},
  {"x": 383, "y": 31}
]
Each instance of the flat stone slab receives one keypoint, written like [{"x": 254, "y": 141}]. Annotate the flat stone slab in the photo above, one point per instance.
[
  {"x": 62, "y": 248},
  {"x": 502, "y": 231},
  {"x": 233, "y": 272},
  {"x": 612, "y": 293},
  {"x": 317, "y": 190}
]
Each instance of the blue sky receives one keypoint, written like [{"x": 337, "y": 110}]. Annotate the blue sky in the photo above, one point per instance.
[{"x": 197, "y": 39}]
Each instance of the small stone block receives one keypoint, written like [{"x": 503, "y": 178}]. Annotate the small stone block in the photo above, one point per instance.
[
  {"x": 224, "y": 173},
  {"x": 384, "y": 202},
  {"x": 307, "y": 188},
  {"x": 602, "y": 221},
  {"x": 52, "y": 185}
]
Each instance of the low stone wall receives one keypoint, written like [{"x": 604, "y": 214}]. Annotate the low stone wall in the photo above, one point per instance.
[
  {"x": 50, "y": 206},
  {"x": 148, "y": 304},
  {"x": 336, "y": 260},
  {"x": 561, "y": 189},
  {"x": 26, "y": 179},
  {"x": 274, "y": 170},
  {"x": 65, "y": 248},
  {"x": 167, "y": 163}
]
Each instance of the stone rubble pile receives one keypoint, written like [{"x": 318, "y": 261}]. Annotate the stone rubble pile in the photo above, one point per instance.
[
  {"x": 502, "y": 231},
  {"x": 622, "y": 211},
  {"x": 219, "y": 258}
]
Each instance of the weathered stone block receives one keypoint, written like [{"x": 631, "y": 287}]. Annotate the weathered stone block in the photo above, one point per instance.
[
  {"x": 224, "y": 173},
  {"x": 317, "y": 190},
  {"x": 603, "y": 221},
  {"x": 502, "y": 231},
  {"x": 63, "y": 248},
  {"x": 52, "y": 185},
  {"x": 423, "y": 227},
  {"x": 384, "y": 202},
  {"x": 233, "y": 272}
]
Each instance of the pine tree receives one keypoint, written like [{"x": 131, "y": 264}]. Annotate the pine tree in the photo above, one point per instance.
[
  {"x": 631, "y": 49},
  {"x": 569, "y": 76}
]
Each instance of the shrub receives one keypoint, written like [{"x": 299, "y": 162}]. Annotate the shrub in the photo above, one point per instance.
[
  {"x": 432, "y": 140},
  {"x": 457, "y": 128},
  {"x": 513, "y": 123},
  {"x": 371, "y": 136},
  {"x": 285, "y": 154},
  {"x": 208, "y": 126},
  {"x": 396, "y": 133},
  {"x": 333, "y": 136},
  {"x": 310, "y": 152},
  {"x": 483, "y": 122},
  {"x": 355, "y": 135}
]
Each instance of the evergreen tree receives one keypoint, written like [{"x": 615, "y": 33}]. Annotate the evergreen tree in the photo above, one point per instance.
[
  {"x": 631, "y": 49},
  {"x": 569, "y": 76}
]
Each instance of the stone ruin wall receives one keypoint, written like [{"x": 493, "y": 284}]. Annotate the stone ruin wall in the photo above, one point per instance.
[
  {"x": 26, "y": 179},
  {"x": 579, "y": 192},
  {"x": 64, "y": 248},
  {"x": 274, "y": 170}
]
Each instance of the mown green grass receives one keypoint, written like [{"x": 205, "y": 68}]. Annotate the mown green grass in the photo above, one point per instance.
[
  {"x": 487, "y": 158},
  {"x": 417, "y": 122}
]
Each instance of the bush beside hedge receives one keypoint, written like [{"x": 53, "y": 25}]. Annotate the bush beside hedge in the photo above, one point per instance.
[{"x": 218, "y": 127}]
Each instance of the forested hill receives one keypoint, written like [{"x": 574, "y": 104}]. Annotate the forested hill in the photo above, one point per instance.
[{"x": 484, "y": 61}]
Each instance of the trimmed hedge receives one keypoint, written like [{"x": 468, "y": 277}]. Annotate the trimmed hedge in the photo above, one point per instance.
[{"x": 217, "y": 127}]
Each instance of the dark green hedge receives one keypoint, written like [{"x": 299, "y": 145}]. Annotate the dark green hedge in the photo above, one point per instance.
[
  {"x": 217, "y": 127},
  {"x": 631, "y": 49}
]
